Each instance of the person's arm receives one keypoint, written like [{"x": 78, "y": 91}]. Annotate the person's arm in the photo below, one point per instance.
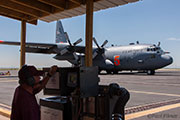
[{"x": 37, "y": 88}]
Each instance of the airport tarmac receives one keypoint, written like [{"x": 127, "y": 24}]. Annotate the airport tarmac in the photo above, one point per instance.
[{"x": 153, "y": 97}]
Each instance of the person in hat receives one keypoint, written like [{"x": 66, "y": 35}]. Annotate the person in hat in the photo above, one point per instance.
[{"x": 24, "y": 104}]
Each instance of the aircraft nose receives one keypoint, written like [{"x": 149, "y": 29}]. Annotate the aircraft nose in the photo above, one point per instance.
[{"x": 167, "y": 59}]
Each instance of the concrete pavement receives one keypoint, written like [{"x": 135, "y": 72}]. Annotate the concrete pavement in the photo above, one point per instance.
[{"x": 144, "y": 89}]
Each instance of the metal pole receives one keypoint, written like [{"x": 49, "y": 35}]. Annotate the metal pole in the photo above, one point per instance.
[
  {"x": 89, "y": 32},
  {"x": 23, "y": 42}
]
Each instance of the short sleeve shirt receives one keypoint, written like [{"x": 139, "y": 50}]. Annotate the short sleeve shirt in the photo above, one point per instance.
[{"x": 24, "y": 106}]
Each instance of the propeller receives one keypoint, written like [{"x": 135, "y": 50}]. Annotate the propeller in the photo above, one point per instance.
[
  {"x": 94, "y": 39},
  {"x": 77, "y": 42},
  {"x": 105, "y": 42},
  {"x": 67, "y": 38},
  {"x": 100, "y": 49},
  {"x": 70, "y": 48},
  {"x": 159, "y": 43}
]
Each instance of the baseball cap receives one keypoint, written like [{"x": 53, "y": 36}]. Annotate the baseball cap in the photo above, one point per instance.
[{"x": 29, "y": 71}]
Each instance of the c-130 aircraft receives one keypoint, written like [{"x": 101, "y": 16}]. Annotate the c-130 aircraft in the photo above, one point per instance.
[{"x": 140, "y": 57}]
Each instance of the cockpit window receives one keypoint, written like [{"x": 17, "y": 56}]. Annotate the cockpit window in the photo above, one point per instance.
[
  {"x": 153, "y": 49},
  {"x": 157, "y": 48}
]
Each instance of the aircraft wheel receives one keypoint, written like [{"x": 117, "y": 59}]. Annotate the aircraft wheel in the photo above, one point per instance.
[
  {"x": 115, "y": 72},
  {"x": 99, "y": 71},
  {"x": 108, "y": 71},
  {"x": 150, "y": 72}
]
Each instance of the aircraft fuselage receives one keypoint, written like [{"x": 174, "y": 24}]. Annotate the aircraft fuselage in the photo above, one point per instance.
[{"x": 137, "y": 57}]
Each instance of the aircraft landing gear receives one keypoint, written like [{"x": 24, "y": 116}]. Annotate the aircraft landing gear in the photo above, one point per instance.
[
  {"x": 108, "y": 71},
  {"x": 115, "y": 72},
  {"x": 150, "y": 72},
  {"x": 99, "y": 71}
]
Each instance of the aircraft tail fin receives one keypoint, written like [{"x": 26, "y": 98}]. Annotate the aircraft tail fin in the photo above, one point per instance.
[{"x": 61, "y": 36}]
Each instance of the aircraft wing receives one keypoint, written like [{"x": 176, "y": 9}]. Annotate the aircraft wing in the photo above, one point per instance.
[
  {"x": 79, "y": 49},
  {"x": 44, "y": 48},
  {"x": 35, "y": 47}
]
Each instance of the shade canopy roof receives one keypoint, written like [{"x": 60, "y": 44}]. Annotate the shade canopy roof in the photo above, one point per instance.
[{"x": 51, "y": 10}]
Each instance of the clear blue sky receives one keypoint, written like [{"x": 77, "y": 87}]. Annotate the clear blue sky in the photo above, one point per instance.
[{"x": 147, "y": 21}]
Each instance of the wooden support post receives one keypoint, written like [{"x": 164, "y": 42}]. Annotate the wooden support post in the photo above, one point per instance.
[
  {"x": 89, "y": 32},
  {"x": 23, "y": 42}
]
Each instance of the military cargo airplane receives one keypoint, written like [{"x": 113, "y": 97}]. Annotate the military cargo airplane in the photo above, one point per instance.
[{"x": 141, "y": 57}]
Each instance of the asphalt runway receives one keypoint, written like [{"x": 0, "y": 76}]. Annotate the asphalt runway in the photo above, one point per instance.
[{"x": 153, "y": 97}]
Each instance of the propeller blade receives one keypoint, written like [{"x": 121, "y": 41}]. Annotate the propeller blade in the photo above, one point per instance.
[
  {"x": 105, "y": 42},
  {"x": 67, "y": 37},
  {"x": 69, "y": 42},
  {"x": 77, "y": 42},
  {"x": 94, "y": 54},
  {"x": 159, "y": 43},
  {"x": 104, "y": 56},
  {"x": 94, "y": 39},
  {"x": 100, "y": 50}
]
